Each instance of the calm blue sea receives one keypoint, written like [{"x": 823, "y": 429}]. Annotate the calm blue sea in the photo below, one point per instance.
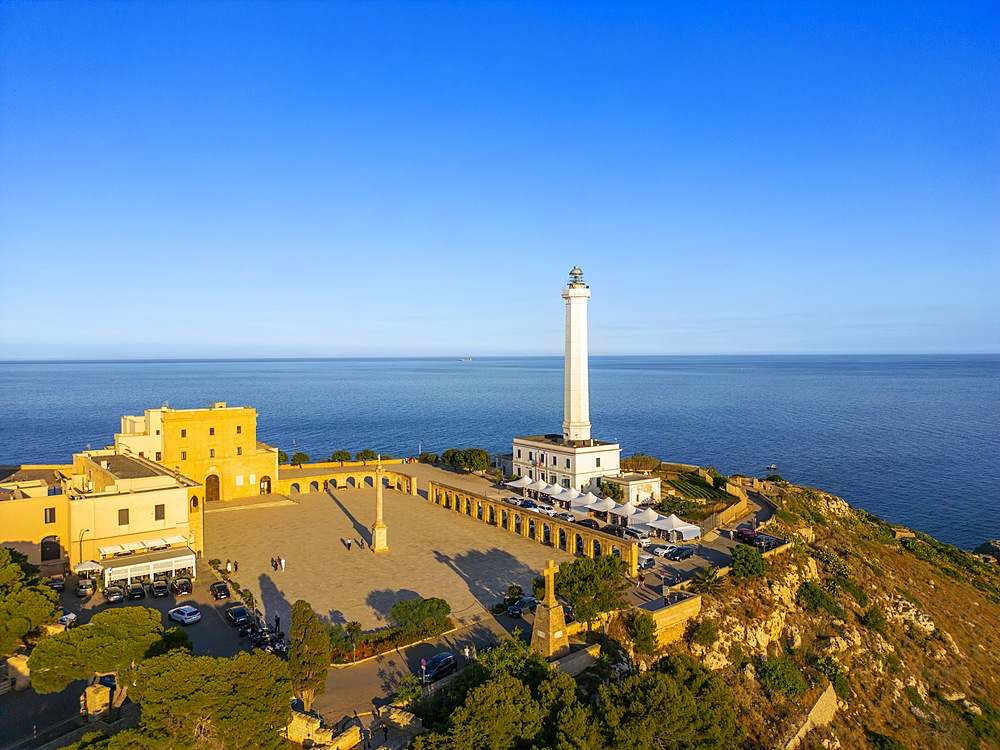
[{"x": 915, "y": 439}]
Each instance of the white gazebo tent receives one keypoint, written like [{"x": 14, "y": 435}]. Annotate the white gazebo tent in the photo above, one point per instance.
[
  {"x": 603, "y": 506},
  {"x": 552, "y": 490},
  {"x": 644, "y": 518},
  {"x": 625, "y": 511},
  {"x": 537, "y": 486},
  {"x": 676, "y": 529},
  {"x": 566, "y": 498},
  {"x": 519, "y": 483}
]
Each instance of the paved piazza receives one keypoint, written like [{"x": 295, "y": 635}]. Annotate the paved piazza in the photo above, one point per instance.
[{"x": 432, "y": 552}]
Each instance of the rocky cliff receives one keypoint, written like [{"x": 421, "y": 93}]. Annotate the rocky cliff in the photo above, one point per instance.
[{"x": 905, "y": 628}]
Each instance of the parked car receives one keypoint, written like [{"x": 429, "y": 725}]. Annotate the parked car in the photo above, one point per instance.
[
  {"x": 618, "y": 531},
  {"x": 159, "y": 588},
  {"x": 664, "y": 551},
  {"x": 136, "y": 590},
  {"x": 746, "y": 535},
  {"x": 237, "y": 615},
  {"x": 633, "y": 535},
  {"x": 220, "y": 590},
  {"x": 184, "y": 614},
  {"x": 525, "y": 602},
  {"x": 57, "y": 582},
  {"x": 84, "y": 587},
  {"x": 565, "y": 517},
  {"x": 114, "y": 594},
  {"x": 529, "y": 504},
  {"x": 568, "y": 613},
  {"x": 67, "y": 619},
  {"x": 181, "y": 586},
  {"x": 512, "y": 500},
  {"x": 681, "y": 553},
  {"x": 589, "y": 523},
  {"x": 439, "y": 666},
  {"x": 646, "y": 562},
  {"x": 108, "y": 680}
]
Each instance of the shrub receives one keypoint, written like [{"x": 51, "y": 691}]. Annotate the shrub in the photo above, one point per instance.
[
  {"x": 514, "y": 592},
  {"x": 747, "y": 563},
  {"x": 874, "y": 619},
  {"x": 781, "y": 677},
  {"x": 814, "y": 598},
  {"x": 854, "y": 590},
  {"x": 705, "y": 633},
  {"x": 421, "y": 617},
  {"x": 883, "y": 742},
  {"x": 707, "y": 581},
  {"x": 835, "y": 673},
  {"x": 641, "y": 628}
]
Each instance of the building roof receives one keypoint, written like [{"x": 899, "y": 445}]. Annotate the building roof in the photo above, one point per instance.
[
  {"x": 126, "y": 467},
  {"x": 632, "y": 478},
  {"x": 9, "y": 474},
  {"x": 557, "y": 441}
]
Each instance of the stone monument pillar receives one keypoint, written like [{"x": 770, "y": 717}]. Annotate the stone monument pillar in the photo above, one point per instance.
[
  {"x": 549, "y": 632},
  {"x": 576, "y": 395},
  {"x": 380, "y": 531}
]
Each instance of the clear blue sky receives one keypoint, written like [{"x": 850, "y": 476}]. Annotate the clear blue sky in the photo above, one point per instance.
[{"x": 349, "y": 179}]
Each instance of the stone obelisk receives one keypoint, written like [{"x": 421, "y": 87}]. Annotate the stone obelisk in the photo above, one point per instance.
[
  {"x": 380, "y": 531},
  {"x": 576, "y": 396},
  {"x": 548, "y": 634}
]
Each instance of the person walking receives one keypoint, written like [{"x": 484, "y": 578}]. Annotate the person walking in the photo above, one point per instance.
[
  {"x": 641, "y": 581},
  {"x": 678, "y": 578},
  {"x": 385, "y": 732},
  {"x": 277, "y": 623},
  {"x": 467, "y": 655},
  {"x": 361, "y": 545},
  {"x": 349, "y": 540},
  {"x": 236, "y": 567},
  {"x": 229, "y": 567},
  {"x": 282, "y": 561}
]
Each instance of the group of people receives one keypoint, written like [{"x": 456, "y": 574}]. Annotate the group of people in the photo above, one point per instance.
[
  {"x": 349, "y": 541},
  {"x": 278, "y": 562},
  {"x": 232, "y": 567}
]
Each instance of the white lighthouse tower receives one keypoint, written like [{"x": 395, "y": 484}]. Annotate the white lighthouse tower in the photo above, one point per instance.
[
  {"x": 576, "y": 399},
  {"x": 572, "y": 459}
]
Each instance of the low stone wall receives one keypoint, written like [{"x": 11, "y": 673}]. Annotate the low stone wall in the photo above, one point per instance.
[
  {"x": 820, "y": 715},
  {"x": 128, "y": 718},
  {"x": 344, "y": 464},
  {"x": 576, "y": 662},
  {"x": 305, "y": 728},
  {"x": 734, "y": 511},
  {"x": 671, "y": 621}
]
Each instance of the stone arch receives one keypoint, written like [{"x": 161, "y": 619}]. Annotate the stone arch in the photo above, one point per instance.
[
  {"x": 546, "y": 533},
  {"x": 368, "y": 481},
  {"x": 213, "y": 488},
  {"x": 578, "y": 545},
  {"x": 194, "y": 502},
  {"x": 562, "y": 539},
  {"x": 493, "y": 516},
  {"x": 314, "y": 486},
  {"x": 265, "y": 485},
  {"x": 616, "y": 551},
  {"x": 294, "y": 489},
  {"x": 479, "y": 510},
  {"x": 468, "y": 507},
  {"x": 504, "y": 518},
  {"x": 517, "y": 523},
  {"x": 51, "y": 549},
  {"x": 532, "y": 529},
  {"x": 597, "y": 548}
]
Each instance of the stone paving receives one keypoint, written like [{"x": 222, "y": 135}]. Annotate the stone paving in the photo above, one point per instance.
[{"x": 432, "y": 552}]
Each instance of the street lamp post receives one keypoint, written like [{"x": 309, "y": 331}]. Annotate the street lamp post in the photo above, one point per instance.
[{"x": 82, "y": 532}]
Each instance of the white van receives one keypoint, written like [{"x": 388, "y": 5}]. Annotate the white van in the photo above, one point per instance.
[{"x": 633, "y": 535}]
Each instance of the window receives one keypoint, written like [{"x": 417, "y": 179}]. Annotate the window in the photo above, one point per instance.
[
  {"x": 552, "y": 479},
  {"x": 239, "y": 481},
  {"x": 161, "y": 512},
  {"x": 565, "y": 483},
  {"x": 211, "y": 430},
  {"x": 239, "y": 451},
  {"x": 531, "y": 457},
  {"x": 211, "y": 454},
  {"x": 184, "y": 456},
  {"x": 541, "y": 459},
  {"x": 518, "y": 452},
  {"x": 530, "y": 475},
  {"x": 567, "y": 463},
  {"x": 184, "y": 433},
  {"x": 157, "y": 432},
  {"x": 142, "y": 454},
  {"x": 50, "y": 515},
  {"x": 123, "y": 517},
  {"x": 598, "y": 462},
  {"x": 239, "y": 429},
  {"x": 253, "y": 479},
  {"x": 159, "y": 456},
  {"x": 555, "y": 460}
]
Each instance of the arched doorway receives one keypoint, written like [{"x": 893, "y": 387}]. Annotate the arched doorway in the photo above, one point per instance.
[
  {"x": 531, "y": 528},
  {"x": 314, "y": 486},
  {"x": 295, "y": 488},
  {"x": 597, "y": 548},
  {"x": 265, "y": 485},
  {"x": 51, "y": 549},
  {"x": 212, "y": 488},
  {"x": 194, "y": 503},
  {"x": 562, "y": 539}
]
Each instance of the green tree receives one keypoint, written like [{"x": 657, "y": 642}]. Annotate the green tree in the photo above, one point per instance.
[
  {"x": 366, "y": 455},
  {"x": 116, "y": 641},
  {"x": 781, "y": 677},
  {"x": 422, "y": 617},
  {"x": 514, "y": 592},
  {"x": 452, "y": 457},
  {"x": 593, "y": 585},
  {"x": 26, "y": 601},
  {"x": 192, "y": 702},
  {"x": 747, "y": 563},
  {"x": 641, "y": 628},
  {"x": 175, "y": 637},
  {"x": 476, "y": 460},
  {"x": 282, "y": 457},
  {"x": 715, "y": 723},
  {"x": 614, "y": 491},
  {"x": 707, "y": 581},
  {"x": 676, "y": 505},
  {"x": 497, "y": 715},
  {"x": 300, "y": 458},
  {"x": 308, "y": 654},
  {"x": 340, "y": 456},
  {"x": 353, "y": 630}
]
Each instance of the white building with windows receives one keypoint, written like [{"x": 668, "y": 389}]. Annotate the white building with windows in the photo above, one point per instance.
[{"x": 573, "y": 459}]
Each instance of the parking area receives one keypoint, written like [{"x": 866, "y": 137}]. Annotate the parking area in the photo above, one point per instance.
[{"x": 211, "y": 636}]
